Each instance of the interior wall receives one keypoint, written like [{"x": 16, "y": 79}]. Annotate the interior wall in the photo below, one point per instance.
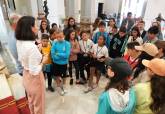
[
  {"x": 23, "y": 7},
  {"x": 154, "y": 7}
]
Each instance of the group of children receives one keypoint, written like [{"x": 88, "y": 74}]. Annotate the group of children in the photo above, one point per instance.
[{"x": 135, "y": 65}]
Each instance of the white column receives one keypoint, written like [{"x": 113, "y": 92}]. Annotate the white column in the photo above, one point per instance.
[
  {"x": 34, "y": 8},
  {"x": 56, "y": 11},
  {"x": 88, "y": 10},
  {"x": 40, "y": 6},
  {"x": 73, "y": 9}
]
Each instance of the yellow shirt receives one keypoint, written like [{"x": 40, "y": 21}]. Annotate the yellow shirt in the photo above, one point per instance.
[
  {"x": 46, "y": 51},
  {"x": 143, "y": 97}
]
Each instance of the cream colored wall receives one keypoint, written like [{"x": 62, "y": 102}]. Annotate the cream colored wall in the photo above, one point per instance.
[
  {"x": 27, "y": 7},
  {"x": 23, "y": 7},
  {"x": 154, "y": 7}
]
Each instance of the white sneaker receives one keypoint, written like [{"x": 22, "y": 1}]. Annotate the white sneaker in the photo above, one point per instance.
[
  {"x": 89, "y": 89},
  {"x": 60, "y": 91},
  {"x": 62, "y": 88}
]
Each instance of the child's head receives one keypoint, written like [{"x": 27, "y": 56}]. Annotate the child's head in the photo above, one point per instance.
[
  {"x": 118, "y": 70},
  {"x": 131, "y": 51},
  {"x": 161, "y": 47},
  {"x": 71, "y": 35},
  {"x": 122, "y": 31},
  {"x": 157, "y": 24},
  {"x": 155, "y": 66},
  {"x": 156, "y": 70},
  {"x": 141, "y": 25},
  {"x": 84, "y": 35},
  {"x": 45, "y": 40},
  {"x": 101, "y": 40},
  {"x": 59, "y": 36},
  {"x": 135, "y": 32},
  {"x": 54, "y": 26},
  {"x": 152, "y": 32},
  {"x": 112, "y": 22},
  {"x": 114, "y": 30},
  {"x": 129, "y": 15},
  {"x": 52, "y": 33},
  {"x": 102, "y": 26}
]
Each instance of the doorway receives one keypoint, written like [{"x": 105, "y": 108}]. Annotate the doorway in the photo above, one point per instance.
[{"x": 100, "y": 9}]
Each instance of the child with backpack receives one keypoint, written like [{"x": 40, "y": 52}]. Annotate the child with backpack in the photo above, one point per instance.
[{"x": 47, "y": 68}]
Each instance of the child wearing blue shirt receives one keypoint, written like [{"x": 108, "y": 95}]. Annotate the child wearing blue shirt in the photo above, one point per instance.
[
  {"x": 60, "y": 53},
  {"x": 102, "y": 32}
]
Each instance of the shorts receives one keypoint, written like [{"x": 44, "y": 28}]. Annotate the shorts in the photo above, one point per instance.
[
  {"x": 47, "y": 68},
  {"x": 59, "y": 70}
]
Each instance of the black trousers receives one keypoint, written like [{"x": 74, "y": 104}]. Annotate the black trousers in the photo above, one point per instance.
[
  {"x": 49, "y": 76},
  {"x": 76, "y": 66},
  {"x": 84, "y": 64}
]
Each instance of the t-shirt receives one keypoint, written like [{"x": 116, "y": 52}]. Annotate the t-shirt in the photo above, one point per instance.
[
  {"x": 139, "y": 40},
  {"x": 86, "y": 46},
  {"x": 131, "y": 61},
  {"x": 46, "y": 51},
  {"x": 99, "y": 51},
  {"x": 117, "y": 46}
]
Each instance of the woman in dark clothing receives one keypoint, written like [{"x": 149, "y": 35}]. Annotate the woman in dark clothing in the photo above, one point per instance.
[{"x": 71, "y": 25}]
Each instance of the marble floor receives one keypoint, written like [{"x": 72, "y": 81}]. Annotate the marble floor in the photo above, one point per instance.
[{"x": 75, "y": 101}]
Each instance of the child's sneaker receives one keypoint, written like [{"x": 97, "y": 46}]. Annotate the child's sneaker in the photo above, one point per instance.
[
  {"x": 60, "y": 91},
  {"x": 89, "y": 89},
  {"x": 50, "y": 88}
]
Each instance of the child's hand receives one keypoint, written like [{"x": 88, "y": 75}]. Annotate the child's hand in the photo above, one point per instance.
[{"x": 40, "y": 47}]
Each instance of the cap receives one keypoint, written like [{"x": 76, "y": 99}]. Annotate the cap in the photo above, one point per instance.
[
  {"x": 120, "y": 67},
  {"x": 156, "y": 65},
  {"x": 149, "y": 48}
]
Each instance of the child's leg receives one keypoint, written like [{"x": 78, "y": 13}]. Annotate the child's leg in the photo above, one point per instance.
[
  {"x": 98, "y": 75},
  {"x": 92, "y": 73},
  {"x": 58, "y": 81},
  {"x": 87, "y": 68},
  {"x": 70, "y": 69},
  {"x": 49, "y": 76},
  {"x": 82, "y": 75},
  {"x": 90, "y": 83},
  {"x": 63, "y": 72},
  {"x": 75, "y": 63}
]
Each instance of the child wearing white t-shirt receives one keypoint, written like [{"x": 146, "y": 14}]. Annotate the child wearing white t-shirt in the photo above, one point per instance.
[
  {"x": 84, "y": 56},
  {"x": 99, "y": 53}
]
